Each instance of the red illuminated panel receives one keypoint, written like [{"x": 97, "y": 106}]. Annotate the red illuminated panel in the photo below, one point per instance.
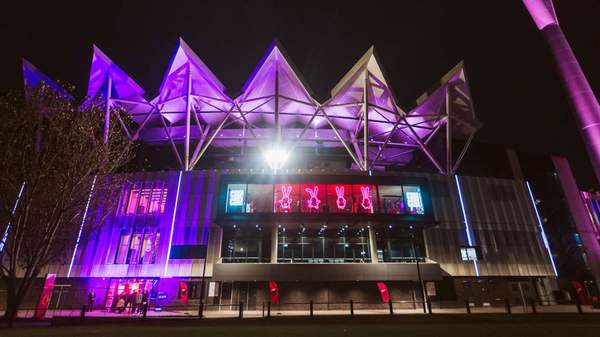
[
  {"x": 313, "y": 197},
  {"x": 286, "y": 198},
  {"x": 339, "y": 198},
  {"x": 365, "y": 198}
]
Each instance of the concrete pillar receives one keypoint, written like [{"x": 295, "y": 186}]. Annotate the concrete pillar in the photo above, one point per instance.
[
  {"x": 274, "y": 244},
  {"x": 373, "y": 245}
]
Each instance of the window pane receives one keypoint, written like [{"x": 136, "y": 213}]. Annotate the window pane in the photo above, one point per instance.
[
  {"x": 339, "y": 198},
  {"x": 134, "y": 248},
  {"x": 123, "y": 248},
  {"x": 134, "y": 193},
  {"x": 155, "y": 246},
  {"x": 365, "y": 198},
  {"x": 414, "y": 201},
  {"x": 287, "y": 198},
  {"x": 260, "y": 198},
  {"x": 236, "y": 197},
  {"x": 313, "y": 198},
  {"x": 159, "y": 198},
  {"x": 144, "y": 201},
  {"x": 392, "y": 201}
]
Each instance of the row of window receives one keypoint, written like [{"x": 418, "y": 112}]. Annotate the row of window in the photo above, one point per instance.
[
  {"x": 137, "y": 247},
  {"x": 143, "y": 200},
  {"x": 324, "y": 198},
  {"x": 325, "y": 244}
]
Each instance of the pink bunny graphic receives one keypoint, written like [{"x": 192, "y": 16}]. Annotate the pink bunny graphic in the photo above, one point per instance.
[
  {"x": 286, "y": 201},
  {"x": 366, "y": 198},
  {"x": 313, "y": 202},
  {"x": 340, "y": 201}
]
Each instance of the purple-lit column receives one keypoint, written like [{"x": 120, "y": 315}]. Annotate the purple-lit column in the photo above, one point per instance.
[{"x": 579, "y": 90}]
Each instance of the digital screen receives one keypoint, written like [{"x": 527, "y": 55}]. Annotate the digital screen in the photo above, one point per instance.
[
  {"x": 236, "y": 197},
  {"x": 413, "y": 200},
  {"x": 468, "y": 253}
]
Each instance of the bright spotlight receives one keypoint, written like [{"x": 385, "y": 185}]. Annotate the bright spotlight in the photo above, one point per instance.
[{"x": 275, "y": 158}]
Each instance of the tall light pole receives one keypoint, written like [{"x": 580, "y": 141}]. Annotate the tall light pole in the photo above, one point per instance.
[{"x": 580, "y": 93}]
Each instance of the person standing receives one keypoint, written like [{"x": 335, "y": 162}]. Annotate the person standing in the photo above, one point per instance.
[
  {"x": 91, "y": 298},
  {"x": 138, "y": 302}
]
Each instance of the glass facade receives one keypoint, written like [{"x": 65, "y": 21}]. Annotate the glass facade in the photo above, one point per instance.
[
  {"x": 138, "y": 200},
  {"x": 324, "y": 244},
  {"x": 245, "y": 244},
  {"x": 324, "y": 198},
  {"x": 399, "y": 244},
  {"x": 137, "y": 246}
]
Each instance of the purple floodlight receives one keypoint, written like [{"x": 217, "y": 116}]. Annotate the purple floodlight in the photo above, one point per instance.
[{"x": 580, "y": 93}]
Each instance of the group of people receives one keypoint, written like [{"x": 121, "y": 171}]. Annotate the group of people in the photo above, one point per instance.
[{"x": 134, "y": 302}]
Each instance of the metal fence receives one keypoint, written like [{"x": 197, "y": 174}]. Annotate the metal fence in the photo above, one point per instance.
[{"x": 312, "y": 309}]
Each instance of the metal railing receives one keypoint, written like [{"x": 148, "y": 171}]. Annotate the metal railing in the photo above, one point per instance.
[{"x": 313, "y": 308}]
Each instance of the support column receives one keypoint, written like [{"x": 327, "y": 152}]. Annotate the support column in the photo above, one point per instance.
[
  {"x": 585, "y": 104},
  {"x": 274, "y": 244},
  {"x": 373, "y": 245}
]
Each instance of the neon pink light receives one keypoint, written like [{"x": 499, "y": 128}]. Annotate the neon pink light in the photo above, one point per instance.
[
  {"x": 313, "y": 202},
  {"x": 286, "y": 200},
  {"x": 366, "y": 203},
  {"x": 340, "y": 201}
]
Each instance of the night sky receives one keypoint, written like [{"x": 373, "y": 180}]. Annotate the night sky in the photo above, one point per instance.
[{"x": 516, "y": 90}]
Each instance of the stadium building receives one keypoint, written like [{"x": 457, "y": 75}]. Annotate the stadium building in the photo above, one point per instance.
[{"x": 275, "y": 196}]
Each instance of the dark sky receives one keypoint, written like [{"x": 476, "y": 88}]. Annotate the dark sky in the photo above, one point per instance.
[{"x": 517, "y": 92}]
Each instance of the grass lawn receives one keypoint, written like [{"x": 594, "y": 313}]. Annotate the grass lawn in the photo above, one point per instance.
[{"x": 451, "y": 325}]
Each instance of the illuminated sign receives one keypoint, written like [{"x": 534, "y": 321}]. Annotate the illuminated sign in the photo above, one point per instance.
[
  {"x": 313, "y": 202},
  {"x": 236, "y": 197},
  {"x": 366, "y": 202},
  {"x": 413, "y": 199},
  {"x": 340, "y": 201},
  {"x": 286, "y": 201}
]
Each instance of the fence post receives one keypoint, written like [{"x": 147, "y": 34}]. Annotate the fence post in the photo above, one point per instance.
[
  {"x": 468, "y": 306},
  {"x": 533, "y": 308},
  {"x": 82, "y": 313},
  {"x": 268, "y": 309},
  {"x": 311, "y": 308},
  {"x": 507, "y": 303},
  {"x": 241, "y": 314},
  {"x": 391, "y": 307},
  {"x": 578, "y": 304},
  {"x": 201, "y": 309},
  {"x": 351, "y": 308}
]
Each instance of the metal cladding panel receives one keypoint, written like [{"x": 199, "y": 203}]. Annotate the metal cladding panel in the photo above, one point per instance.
[
  {"x": 443, "y": 241},
  {"x": 194, "y": 218},
  {"x": 96, "y": 255},
  {"x": 325, "y": 272},
  {"x": 504, "y": 227}
]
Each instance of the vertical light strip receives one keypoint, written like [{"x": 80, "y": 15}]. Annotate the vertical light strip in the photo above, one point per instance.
[
  {"x": 87, "y": 207},
  {"x": 544, "y": 238},
  {"x": 14, "y": 209},
  {"x": 466, "y": 221},
  {"x": 173, "y": 223}
]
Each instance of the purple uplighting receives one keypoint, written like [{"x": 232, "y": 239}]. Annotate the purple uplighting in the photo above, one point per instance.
[{"x": 580, "y": 93}]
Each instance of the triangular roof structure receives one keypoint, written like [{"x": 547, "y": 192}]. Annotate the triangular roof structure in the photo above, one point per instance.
[
  {"x": 187, "y": 73},
  {"x": 347, "y": 97},
  {"x": 276, "y": 87},
  {"x": 33, "y": 77}
]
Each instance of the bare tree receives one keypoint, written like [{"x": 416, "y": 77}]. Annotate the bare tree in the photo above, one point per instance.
[{"x": 52, "y": 150}]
